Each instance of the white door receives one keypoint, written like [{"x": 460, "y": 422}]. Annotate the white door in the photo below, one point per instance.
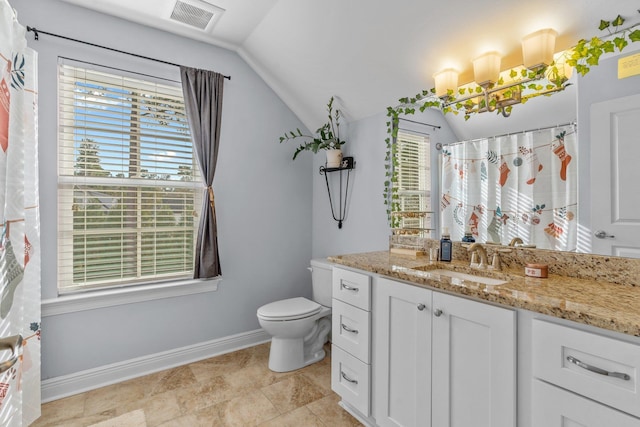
[
  {"x": 474, "y": 364},
  {"x": 615, "y": 176},
  {"x": 402, "y": 354}
]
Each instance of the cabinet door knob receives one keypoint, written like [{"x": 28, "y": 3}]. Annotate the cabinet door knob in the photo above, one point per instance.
[
  {"x": 438, "y": 312},
  {"x": 421, "y": 307}
]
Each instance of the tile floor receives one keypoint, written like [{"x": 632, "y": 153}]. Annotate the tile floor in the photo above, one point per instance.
[{"x": 234, "y": 389}]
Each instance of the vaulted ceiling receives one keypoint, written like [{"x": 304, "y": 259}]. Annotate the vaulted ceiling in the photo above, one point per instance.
[{"x": 369, "y": 53}]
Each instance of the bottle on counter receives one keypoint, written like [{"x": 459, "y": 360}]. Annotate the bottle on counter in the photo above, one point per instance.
[
  {"x": 468, "y": 237},
  {"x": 446, "y": 246}
]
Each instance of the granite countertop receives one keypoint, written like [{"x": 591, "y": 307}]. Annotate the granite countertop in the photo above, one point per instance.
[{"x": 602, "y": 304}]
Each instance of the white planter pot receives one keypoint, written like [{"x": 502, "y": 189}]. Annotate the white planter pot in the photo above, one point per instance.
[{"x": 334, "y": 158}]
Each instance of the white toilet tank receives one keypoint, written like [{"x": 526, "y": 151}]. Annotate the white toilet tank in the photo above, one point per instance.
[{"x": 321, "y": 277}]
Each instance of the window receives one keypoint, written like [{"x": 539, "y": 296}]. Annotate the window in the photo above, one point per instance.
[
  {"x": 128, "y": 185},
  {"x": 412, "y": 206}
]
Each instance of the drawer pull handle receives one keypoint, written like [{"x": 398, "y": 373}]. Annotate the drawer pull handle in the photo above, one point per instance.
[
  {"x": 349, "y": 288},
  {"x": 352, "y": 381},
  {"x": 348, "y": 329},
  {"x": 438, "y": 312},
  {"x": 597, "y": 370},
  {"x": 421, "y": 307}
]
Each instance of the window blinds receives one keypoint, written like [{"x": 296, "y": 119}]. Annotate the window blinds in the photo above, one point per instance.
[{"x": 128, "y": 187}]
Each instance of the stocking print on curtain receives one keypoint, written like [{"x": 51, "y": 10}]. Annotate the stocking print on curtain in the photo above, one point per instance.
[
  {"x": 20, "y": 237},
  {"x": 519, "y": 185},
  {"x": 202, "y": 90}
]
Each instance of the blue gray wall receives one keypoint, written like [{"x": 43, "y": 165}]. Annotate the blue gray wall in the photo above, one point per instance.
[{"x": 264, "y": 200}]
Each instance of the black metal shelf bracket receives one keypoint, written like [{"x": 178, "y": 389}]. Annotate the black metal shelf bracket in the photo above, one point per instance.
[{"x": 348, "y": 164}]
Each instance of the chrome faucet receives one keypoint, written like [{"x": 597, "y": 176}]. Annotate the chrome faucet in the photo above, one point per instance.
[
  {"x": 516, "y": 241},
  {"x": 478, "y": 249}
]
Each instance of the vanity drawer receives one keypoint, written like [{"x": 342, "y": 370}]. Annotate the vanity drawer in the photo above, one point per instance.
[
  {"x": 351, "y": 329},
  {"x": 352, "y": 288},
  {"x": 350, "y": 378},
  {"x": 555, "y": 407},
  {"x": 598, "y": 367}
]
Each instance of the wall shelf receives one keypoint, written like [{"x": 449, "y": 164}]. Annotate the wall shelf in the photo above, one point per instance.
[{"x": 348, "y": 164}]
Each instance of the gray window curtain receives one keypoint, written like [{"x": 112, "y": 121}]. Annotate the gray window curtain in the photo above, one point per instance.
[{"x": 202, "y": 91}]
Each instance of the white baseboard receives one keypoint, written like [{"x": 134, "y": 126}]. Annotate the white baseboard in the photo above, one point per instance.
[{"x": 79, "y": 382}]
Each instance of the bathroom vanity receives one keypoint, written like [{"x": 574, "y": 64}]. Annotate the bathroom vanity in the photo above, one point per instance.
[{"x": 445, "y": 350}]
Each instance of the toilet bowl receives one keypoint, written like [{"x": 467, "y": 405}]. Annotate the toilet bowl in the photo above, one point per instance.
[{"x": 299, "y": 327}]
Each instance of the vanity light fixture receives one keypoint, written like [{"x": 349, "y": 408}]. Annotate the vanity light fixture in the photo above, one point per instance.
[
  {"x": 486, "y": 69},
  {"x": 446, "y": 80},
  {"x": 538, "y": 49},
  {"x": 537, "y": 53}
]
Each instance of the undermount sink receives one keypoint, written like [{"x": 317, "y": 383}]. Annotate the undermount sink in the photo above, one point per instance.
[{"x": 456, "y": 277}]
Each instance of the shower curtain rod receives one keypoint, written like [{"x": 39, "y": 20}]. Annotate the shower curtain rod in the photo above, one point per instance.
[
  {"x": 36, "y": 32},
  {"x": 513, "y": 133}
]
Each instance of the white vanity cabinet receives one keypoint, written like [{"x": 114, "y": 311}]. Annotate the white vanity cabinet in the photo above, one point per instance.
[
  {"x": 442, "y": 360},
  {"x": 474, "y": 363},
  {"x": 584, "y": 378},
  {"x": 351, "y": 340},
  {"x": 402, "y": 353}
]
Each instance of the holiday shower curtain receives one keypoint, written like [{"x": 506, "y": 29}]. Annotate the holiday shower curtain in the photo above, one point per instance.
[
  {"x": 20, "y": 236},
  {"x": 519, "y": 185}
]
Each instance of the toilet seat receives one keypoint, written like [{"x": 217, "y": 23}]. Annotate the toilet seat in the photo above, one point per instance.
[{"x": 289, "y": 309}]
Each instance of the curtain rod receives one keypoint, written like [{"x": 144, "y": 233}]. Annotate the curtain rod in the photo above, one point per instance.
[
  {"x": 420, "y": 123},
  {"x": 37, "y": 32},
  {"x": 513, "y": 133}
]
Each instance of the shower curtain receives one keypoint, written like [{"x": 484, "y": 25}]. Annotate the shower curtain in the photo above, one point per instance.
[
  {"x": 519, "y": 185},
  {"x": 20, "y": 237}
]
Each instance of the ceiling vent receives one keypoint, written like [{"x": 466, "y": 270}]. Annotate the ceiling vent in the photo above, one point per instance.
[{"x": 195, "y": 13}]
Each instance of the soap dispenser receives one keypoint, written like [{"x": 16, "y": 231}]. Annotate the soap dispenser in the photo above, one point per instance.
[
  {"x": 468, "y": 237},
  {"x": 445, "y": 246}
]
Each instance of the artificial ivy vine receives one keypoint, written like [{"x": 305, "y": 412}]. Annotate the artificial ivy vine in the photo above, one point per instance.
[{"x": 584, "y": 55}]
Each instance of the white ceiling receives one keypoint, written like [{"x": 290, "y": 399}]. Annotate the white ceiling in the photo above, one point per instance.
[{"x": 370, "y": 53}]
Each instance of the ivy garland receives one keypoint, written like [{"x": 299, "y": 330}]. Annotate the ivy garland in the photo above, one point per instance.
[{"x": 584, "y": 55}]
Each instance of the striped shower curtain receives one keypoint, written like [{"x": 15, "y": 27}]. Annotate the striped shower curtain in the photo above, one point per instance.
[
  {"x": 518, "y": 185},
  {"x": 20, "y": 236}
]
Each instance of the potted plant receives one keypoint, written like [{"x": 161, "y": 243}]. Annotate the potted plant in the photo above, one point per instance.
[{"x": 327, "y": 138}]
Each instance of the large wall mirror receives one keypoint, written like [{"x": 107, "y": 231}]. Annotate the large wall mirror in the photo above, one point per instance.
[{"x": 600, "y": 94}]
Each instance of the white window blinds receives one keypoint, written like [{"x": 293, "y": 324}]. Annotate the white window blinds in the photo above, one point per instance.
[
  {"x": 128, "y": 186},
  {"x": 412, "y": 206}
]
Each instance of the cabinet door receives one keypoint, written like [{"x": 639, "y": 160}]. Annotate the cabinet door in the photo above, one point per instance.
[
  {"x": 402, "y": 354},
  {"x": 474, "y": 363},
  {"x": 555, "y": 407}
]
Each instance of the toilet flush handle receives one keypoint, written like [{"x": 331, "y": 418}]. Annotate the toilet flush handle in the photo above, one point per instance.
[{"x": 310, "y": 268}]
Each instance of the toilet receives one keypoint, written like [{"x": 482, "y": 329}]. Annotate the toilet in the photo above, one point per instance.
[{"x": 300, "y": 327}]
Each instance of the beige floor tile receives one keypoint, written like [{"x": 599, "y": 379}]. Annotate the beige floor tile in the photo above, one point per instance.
[
  {"x": 255, "y": 375},
  {"x": 296, "y": 418},
  {"x": 332, "y": 414},
  {"x": 320, "y": 375},
  {"x": 130, "y": 419},
  {"x": 292, "y": 393},
  {"x": 170, "y": 379},
  {"x": 233, "y": 389},
  {"x": 220, "y": 365},
  {"x": 158, "y": 408},
  {"x": 204, "y": 394},
  {"x": 112, "y": 397},
  {"x": 208, "y": 417},
  {"x": 59, "y": 410},
  {"x": 185, "y": 421},
  {"x": 250, "y": 409}
]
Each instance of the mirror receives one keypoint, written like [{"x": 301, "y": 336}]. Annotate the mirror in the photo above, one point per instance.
[
  {"x": 505, "y": 177},
  {"x": 573, "y": 104},
  {"x": 577, "y": 103}
]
